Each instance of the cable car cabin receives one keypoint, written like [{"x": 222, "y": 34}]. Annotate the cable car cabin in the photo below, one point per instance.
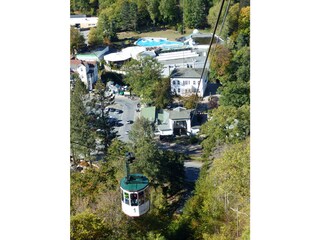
[{"x": 134, "y": 195}]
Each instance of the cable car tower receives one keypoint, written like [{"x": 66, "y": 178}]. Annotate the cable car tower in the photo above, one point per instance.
[{"x": 134, "y": 191}]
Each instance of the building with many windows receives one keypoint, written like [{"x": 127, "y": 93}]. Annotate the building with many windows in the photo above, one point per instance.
[{"x": 186, "y": 81}]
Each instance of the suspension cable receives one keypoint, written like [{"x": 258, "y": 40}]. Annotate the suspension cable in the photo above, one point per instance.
[{"x": 205, "y": 62}]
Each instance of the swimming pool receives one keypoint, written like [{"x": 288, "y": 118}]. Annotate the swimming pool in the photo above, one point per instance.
[{"x": 157, "y": 42}]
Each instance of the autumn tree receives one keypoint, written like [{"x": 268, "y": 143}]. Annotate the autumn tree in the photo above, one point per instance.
[{"x": 223, "y": 192}]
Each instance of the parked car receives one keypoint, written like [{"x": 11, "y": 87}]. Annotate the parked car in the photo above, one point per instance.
[
  {"x": 129, "y": 121},
  {"x": 118, "y": 111}
]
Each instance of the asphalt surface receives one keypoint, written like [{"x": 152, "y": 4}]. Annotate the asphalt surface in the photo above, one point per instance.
[{"x": 128, "y": 106}]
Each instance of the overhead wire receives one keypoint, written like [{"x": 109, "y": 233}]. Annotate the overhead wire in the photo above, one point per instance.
[{"x": 207, "y": 56}]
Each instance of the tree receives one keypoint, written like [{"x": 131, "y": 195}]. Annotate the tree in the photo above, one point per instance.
[
  {"x": 235, "y": 94},
  {"x": 221, "y": 58},
  {"x": 82, "y": 139},
  {"x": 221, "y": 191},
  {"x": 77, "y": 41},
  {"x": 126, "y": 15},
  {"x": 235, "y": 89},
  {"x": 153, "y": 10},
  {"x": 95, "y": 38},
  {"x": 143, "y": 76},
  {"x": 107, "y": 25},
  {"x": 163, "y": 96},
  {"x": 190, "y": 102},
  {"x": 151, "y": 161},
  {"x": 228, "y": 124},
  {"x": 243, "y": 38},
  {"x": 168, "y": 10},
  {"x": 194, "y": 13},
  {"x": 86, "y": 226}
]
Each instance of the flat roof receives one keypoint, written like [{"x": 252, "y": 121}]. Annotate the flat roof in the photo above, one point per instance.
[
  {"x": 78, "y": 20},
  {"x": 136, "y": 182}
]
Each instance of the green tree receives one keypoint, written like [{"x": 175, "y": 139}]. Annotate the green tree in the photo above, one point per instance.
[
  {"x": 86, "y": 226},
  {"x": 190, "y": 102},
  {"x": 227, "y": 124},
  {"x": 153, "y": 10},
  {"x": 235, "y": 94},
  {"x": 81, "y": 137},
  {"x": 163, "y": 96},
  {"x": 168, "y": 11},
  {"x": 143, "y": 77},
  {"x": 243, "y": 38},
  {"x": 95, "y": 38},
  {"x": 151, "y": 161},
  {"x": 221, "y": 190},
  {"x": 77, "y": 41},
  {"x": 194, "y": 13},
  {"x": 107, "y": 25},
  {"x": 127, "y": 18}
]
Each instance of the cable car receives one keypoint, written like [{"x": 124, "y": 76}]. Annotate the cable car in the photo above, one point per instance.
[{"x": 134, "y": 191}]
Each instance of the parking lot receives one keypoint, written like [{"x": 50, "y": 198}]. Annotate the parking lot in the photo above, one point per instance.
[{"x": 123, "y": 111}]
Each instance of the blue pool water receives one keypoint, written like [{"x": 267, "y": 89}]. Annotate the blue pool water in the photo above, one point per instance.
[{"x": 156, "y": 42}]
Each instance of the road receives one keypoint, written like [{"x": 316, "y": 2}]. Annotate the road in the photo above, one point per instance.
[{"x": 128, "y": 107}]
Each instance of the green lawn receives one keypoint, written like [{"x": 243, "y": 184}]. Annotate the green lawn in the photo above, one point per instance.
[{"x": 165, "y": 33}]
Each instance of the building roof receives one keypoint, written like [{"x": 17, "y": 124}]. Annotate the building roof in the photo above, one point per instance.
[
  {"x": 117, "y": 57},
  {"x": 164, "y": 127},
  {"x": 74, "y": 63},
  {"x": 136, "y": 183},
  {"x": 179, "y": 113},
  {"x": 186, "y": 73},
  {"x": 149, "y": 113},
  {"x": 94, "y": 55}
]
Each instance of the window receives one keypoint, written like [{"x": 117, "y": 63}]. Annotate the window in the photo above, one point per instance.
[
  {"x": 178, "y": 90},
  {"x": 178, "y": 82},
  {"x": 186, "y": 82},
  {"x": 173, "y": 82},
  {"x": 134, "y": 199},
  {"x": 126, "y": 198},
  {"x": 141, "y": 198},
  {"x": 194, "y": 82}
]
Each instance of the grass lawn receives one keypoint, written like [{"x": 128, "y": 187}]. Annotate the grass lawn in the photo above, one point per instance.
[{"x": 164, "y": 32}]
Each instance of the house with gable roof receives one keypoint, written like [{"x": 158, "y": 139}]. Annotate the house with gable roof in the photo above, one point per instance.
[{"x": 88, "y": 71}]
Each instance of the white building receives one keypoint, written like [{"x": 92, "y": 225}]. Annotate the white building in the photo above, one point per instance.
[
  {"x": 83, "y": 22},
  {"x": 88, "y": 71},
  {"x": 175, "y": 122},
  {"x": 186, "y": 81}
]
